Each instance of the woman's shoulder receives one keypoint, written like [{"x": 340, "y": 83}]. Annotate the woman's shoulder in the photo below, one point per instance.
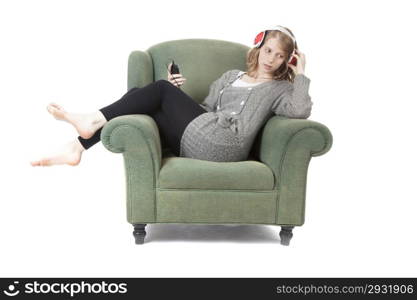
[
  {"x": 234, "y": 71},
  {"x": 232, "y": 74},
  {"x": 229, "y": 75}
]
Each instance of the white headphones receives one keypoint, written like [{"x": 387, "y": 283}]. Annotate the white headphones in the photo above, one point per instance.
[{"x": 260, "y": 37}]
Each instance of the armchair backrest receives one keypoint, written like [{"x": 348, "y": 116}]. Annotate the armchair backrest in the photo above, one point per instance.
[{"x": 201, "y": 61}]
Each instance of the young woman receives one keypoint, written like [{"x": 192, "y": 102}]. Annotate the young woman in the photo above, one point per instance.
[{"x": 225, "y": 125}]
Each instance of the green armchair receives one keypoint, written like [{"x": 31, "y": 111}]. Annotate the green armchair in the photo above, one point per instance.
[{"x": 268, "y": 188}]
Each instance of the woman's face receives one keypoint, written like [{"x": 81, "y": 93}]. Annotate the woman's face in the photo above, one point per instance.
[{"x": 270, "y": 58}]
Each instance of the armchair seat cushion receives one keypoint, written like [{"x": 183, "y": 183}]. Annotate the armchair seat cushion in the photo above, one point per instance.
[{"x": 187, "y": 173}]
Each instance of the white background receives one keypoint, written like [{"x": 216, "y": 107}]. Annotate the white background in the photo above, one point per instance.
[{"x": 71, "y": 221}]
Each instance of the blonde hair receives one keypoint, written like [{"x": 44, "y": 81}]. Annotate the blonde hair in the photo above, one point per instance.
[{"x": 287, "y": 45}]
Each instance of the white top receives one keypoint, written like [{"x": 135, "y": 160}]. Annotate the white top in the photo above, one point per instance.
[{"x": 240, "y": 82}]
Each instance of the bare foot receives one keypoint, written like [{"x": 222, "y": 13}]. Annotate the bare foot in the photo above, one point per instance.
[
  {"x": 70, "y": 155},
  {"x": 85, "y": 124}
]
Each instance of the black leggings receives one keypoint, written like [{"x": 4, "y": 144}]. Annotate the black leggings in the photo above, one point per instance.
[{"x": 169, "y": 106}]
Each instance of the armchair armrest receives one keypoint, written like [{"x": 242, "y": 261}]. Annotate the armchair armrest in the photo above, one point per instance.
[
  {"x": 287, "y": 146},
  {"x": 314, "y": 138},
  {"x": 137, "y": 137},
  {"x": 140, "y": 69},
  {"x": 130, "y": 133}
]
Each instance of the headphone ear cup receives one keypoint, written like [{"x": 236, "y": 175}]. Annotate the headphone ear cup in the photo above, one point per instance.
[
  {"x": 293, "y": 59},
  {"x": 259, "y": 39}
]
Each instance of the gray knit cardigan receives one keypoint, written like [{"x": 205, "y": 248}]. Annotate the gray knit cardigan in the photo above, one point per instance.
[{"x": 234, "y": 116}]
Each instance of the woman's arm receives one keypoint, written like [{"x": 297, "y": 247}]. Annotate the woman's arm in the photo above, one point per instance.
[{"x": 295, "y": 102}]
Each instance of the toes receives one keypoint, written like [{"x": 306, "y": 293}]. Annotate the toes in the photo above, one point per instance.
[
  {"x": 56, "y": 105},
  {"x": 56, "y": 111},
  {"x": 41, "y": 163},
  {"x": 50, "y": 108},
  {"x": 35, "y": 163}
]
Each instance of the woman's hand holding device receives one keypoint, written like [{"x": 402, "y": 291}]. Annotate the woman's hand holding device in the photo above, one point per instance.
[{"x": 174, "y": 75}]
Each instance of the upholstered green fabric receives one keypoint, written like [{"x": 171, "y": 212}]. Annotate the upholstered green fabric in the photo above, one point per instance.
[
  {"x": 140, "y": 68},
  {"x": 185, "y": 173},
  {"x": 137, "y": 137},
  {"x": 201, "y": 61},
  {"x": 268, "y": 189},
  {"x": 216, "y": 206},
  {"x": 287, "y": 146}
]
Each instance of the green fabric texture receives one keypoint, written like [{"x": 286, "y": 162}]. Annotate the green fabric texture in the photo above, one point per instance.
[
  {"x": 140, "y": 68},
  {"x": 287, "y": 146},
  {"x": 137, "y": 137},
  {"x": 185, "y": 173},
  {"x": 270, "y": 188},
  {"x": 199, "y": 206},
  {"x": 201, "y": 61}
]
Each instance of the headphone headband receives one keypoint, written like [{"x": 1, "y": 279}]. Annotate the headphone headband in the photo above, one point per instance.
[{"x": 261, "y": 36}]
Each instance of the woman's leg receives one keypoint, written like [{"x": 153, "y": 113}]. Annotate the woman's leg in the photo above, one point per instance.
[
  {"x": 85, "y": 124},
  {"x": 171, "y": 108},
  {"x": 95, "y": 138}
]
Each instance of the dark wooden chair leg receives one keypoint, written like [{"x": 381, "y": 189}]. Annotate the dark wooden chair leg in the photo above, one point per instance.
[
  {"x": 139, "y": 233},
  {"x": 286, "y": 235}
]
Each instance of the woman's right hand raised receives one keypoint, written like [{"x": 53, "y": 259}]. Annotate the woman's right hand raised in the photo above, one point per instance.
[{"x": 179, "y": 79}]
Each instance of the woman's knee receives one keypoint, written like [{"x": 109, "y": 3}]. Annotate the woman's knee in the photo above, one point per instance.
[
  {"x": 164, "y": 85},
  {"x": 133, "y": 89}
]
